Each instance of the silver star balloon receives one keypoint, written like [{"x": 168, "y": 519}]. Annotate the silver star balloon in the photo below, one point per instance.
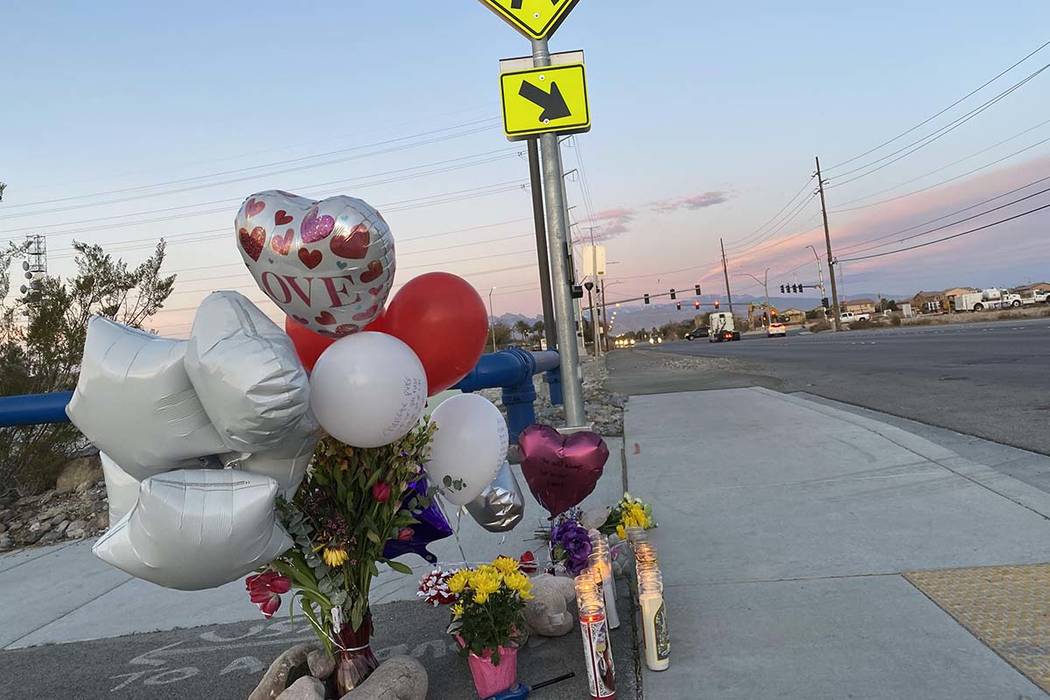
[{"x": 501, "y": 506}]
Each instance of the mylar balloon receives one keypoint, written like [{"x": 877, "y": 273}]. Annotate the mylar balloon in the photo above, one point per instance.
[
  {"x": 368, "y": 390},
  {"x": 442, "y": 318},
  {"x": 430, "y": 526},
  {"x": 469, "y": 446},
  {"x": 286, "y": 464},
  {"x": 122, "y": 489},
  {"x": 501, "y": 506},
  {"x": 196, "y": 529},
  {"x": 246, "y": 373},
  {"x": 136, "y": 403},
  {"x": 561, "y": 470},
  {"x": 328, "y": 264}
]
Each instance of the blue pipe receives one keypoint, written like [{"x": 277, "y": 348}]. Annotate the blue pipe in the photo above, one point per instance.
[
  {"x": 34, "y": 409},
  {"x": 512, "y": 371}
]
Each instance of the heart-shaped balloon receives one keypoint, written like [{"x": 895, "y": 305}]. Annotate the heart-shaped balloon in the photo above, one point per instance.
[
  {"x": 328, "y": 263},
  {"x": 561, "y": 470}
]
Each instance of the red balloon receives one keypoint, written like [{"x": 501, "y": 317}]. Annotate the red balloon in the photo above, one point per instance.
[
  {"x": 309, "y": 344},
  {"x": 442, "y": 318}
]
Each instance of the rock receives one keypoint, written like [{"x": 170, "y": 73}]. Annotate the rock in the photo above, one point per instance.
[
  {"x": 398, "y": 678},
  {"x": 100, "y": 521},
  {"x": 61, "y": 527},
  {"x": 320, "y": 663},
  {"x": 46, "y": 498},
  {"x": 5, "y": 541},
  {"x": 306, "y": 688},
  {"x": 40, "y": 526},
  {"x": 3, "y": 528},
  {"x": 50, "y": 537},
  {"x": 15, "y": 524},
  {"x": 77, "y": 525},
  {"x": 82, "y": 471},
  {"x": 548, "y": 613},
  {"x": 275, "y": 680},
  {"x": 25, "y": 501}
]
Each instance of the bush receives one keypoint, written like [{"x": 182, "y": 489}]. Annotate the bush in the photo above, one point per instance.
[
  {"x": 896, "y": 320},
  {"x": 861, "y": 324},
  {"x": 821, "y": 326}
]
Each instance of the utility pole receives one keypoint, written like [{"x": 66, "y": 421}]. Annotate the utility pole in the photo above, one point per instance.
[
  {"x": 535, "y": 179},
  {"x": 590, "y": 287},
  {"x": 557, "y": 237},
  {"x": 725, "y": 269},
  {"x": 827, "y": 240},
  {"x": 820, "y": 277},
  {"x": 605, "y": 319},
  {"x": 492, "y": 320}
]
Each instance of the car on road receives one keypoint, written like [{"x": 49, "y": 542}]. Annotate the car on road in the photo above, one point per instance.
[
  {"x": 701, "y": 332},
  {"x": 847, "y": 316},
  {"x": 776, "y": 328}
]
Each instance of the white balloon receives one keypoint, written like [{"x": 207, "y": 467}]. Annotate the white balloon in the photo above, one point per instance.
[
  {"x": 368, "y": 389},
  {"x": 194, "y": 529},
  {"x": 246, "y": 373},
  {"x": 122, "y": 489},
  {"x": 136, "y": 403},
  {"x": 287, "y": 463},
  {"x": 469, "y": 447}
]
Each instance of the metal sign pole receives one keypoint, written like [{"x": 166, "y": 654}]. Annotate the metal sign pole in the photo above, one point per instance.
[
  {"x": 557, "y": 224},
  {"x": 541, "y": 245}
]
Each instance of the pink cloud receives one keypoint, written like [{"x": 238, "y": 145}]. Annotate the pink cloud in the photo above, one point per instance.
[{"x": 692, "y": 202}]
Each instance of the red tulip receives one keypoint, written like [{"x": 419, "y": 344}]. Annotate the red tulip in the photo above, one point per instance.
[
  {"x": 381, "y": 492},
  {"x": 405, "y": 534},
  {"x": 265, "y": 591}
]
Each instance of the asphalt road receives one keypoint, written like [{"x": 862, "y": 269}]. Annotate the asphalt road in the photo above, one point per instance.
[{"x": 986, "y": 379}]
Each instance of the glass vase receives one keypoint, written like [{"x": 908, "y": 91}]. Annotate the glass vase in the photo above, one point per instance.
[{"x": 355, "y": 661}]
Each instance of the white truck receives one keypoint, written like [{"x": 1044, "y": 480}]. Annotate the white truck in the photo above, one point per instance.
[
  {"x": 721, "y": 326},
  {"x": 848, "y": 316},
  {"x": 1035, "y": 296},
  {"x": 987, "y": 299}
]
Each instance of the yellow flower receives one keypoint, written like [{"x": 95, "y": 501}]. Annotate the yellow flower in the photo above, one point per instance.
[
  {"x": 505, "y": 565},
  {"x": 485, "y": 581},
  {"x": 457, "y": 611},
  {"x": 458, "y": 581},
  {"x": 335, "y": 556},
  {"x": 621, "y": 532},
  {"x": 520, "y": 583}
]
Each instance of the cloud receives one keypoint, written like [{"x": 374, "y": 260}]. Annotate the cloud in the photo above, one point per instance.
[
  {"x": 692, "y": 202},
  {"x": 612, "y": 223}
]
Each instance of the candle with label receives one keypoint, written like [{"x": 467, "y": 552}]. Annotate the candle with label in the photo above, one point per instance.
[
  {"x": 597, "y": 644},
  {"x": 657, "y": 638},
  {"x": 600, "y": 560}
]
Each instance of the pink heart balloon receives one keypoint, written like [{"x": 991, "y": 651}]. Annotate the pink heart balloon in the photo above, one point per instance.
[{"x": 561, "y": 470}]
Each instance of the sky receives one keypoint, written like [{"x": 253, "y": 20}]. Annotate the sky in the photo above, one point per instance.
[{"x": 122, "y": 122}]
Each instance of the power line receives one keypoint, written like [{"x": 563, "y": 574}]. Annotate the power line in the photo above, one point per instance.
[
  {"x": 945, "y": 238},
  {"x": 780, "y": 227},
  {"x": 196, "y": 178},
  {"x": 949, "y": 107},
  {"x": 744, "y": 240},
  {"x": 930, "y": 138},
  {"x": 944, "y": 216},
  {"x": 936, "y": 184}
]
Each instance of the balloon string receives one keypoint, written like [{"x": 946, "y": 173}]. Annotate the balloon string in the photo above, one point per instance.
[{"x": 459, "y": 542}]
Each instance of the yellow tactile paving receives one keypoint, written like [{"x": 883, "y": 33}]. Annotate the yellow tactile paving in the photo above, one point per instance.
[{"x": 1006, "y": 607}]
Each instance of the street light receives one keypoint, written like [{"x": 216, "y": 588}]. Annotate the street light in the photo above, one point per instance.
[
  {"x": 765, "y": 286},
  {"x": 492, "y": 321}
]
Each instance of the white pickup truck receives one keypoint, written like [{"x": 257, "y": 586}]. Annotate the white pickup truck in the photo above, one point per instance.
[
  {"x": 849, "y": 316},
  {"x": 1035, "y": 297}
]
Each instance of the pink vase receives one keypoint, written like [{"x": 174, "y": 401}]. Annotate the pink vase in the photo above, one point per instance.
[{"x": 490, "y": 679}]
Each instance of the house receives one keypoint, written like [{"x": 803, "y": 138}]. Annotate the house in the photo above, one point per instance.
[
  {"x": 1037, "y": 287},
  {"x": 792, "y": 316},
  {"x": 929, "y": 302},
  {"x": 950, "y": 295},
  {"x": 859, "y": 306}
]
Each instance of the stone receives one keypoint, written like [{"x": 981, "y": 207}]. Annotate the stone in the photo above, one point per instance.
[
  {"x": 398, "y": 678},
  {"x": 306, "y": 688},
  {"x": 50, "y": 537},
  {"x": 84, "y": 487},
  {"x": 320, "y": 663},
  {"x": 5, "y": 541},
  {"x": 100, "y": 521},
  {"x": 40, "y": 526},
  {"x": 78, "y": 525},
  {"x": 275, "y": 680},
  {"x": 46, "y": 498},
  {"x": 79, "y": 471},
  {"x": 61, "y": 527},
  {"x": 3, "y": 528},
  {"x": 548, "y": 613}
]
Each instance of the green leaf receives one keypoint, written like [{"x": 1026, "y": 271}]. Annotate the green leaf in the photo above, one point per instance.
[{"x": 399, "y": 567}]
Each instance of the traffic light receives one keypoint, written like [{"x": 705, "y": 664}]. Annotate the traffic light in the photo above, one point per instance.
[
  {"x": 718, "y": 304},
  {"x": 678, "y": 306},
  {"x": 696, "y": 305},
  {"x": 577, "y": 291},
  {"x": 825, "y": 303},
  {"x": 673, "y": 295},
  {"x": 794, "y": 288},
  {"x": 782, "y": 289},
  {"x": 698, "y": 290},
  {"x": 646, "y": 297}
]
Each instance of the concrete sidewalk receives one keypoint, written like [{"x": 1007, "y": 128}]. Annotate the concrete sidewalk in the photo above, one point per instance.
[{"x": 785, "y": 525}]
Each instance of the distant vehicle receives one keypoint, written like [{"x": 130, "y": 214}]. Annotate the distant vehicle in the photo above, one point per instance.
[
  {"x": 721, "y": 327},
  {"x": 987, "y": 299},
  {"x": 848, "y": 316},
  {"x": 1035, "y": 297},
  {"x": 776, "y": 328},
  {"x": 701, "y": 332}
]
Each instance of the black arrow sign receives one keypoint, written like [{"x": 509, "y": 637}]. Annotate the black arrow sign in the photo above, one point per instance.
[
  {"x": 516, "y": 4},
  {"x": 553, "y": 103}
]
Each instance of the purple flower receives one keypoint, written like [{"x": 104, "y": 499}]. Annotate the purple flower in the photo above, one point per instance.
[{"x": 573, "y": 539}]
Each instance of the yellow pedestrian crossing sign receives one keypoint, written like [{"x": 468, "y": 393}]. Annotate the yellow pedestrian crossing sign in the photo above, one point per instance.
[
  {"x": 536, "y": 19},
  {"x": 545, "y": 100}
]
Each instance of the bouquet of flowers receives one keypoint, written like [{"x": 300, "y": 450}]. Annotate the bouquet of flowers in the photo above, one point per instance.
[
  {"x": 628, "y": 512},
  {"x": 488, "y": 617},
  {"x": 568, "y": 542},
  {"x": 347, "y": 508}
]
